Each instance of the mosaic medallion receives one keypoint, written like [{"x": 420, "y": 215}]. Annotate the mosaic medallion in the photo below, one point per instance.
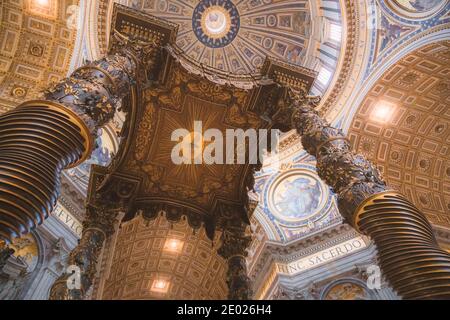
[
  {"x": 215, "y": 22},
  {"x": 416, "y": 9},
  {"x": 297, "y": 197},
  {"x": 346, "y": 291},
  {"x": 26, "y": 250},
  {"x": 418, "y": 5}
]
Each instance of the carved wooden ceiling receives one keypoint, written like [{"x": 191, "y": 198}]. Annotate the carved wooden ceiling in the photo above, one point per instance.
[
  {"x": 154, "y": 259},
  {"x": 412, "y": 147},
  {"x": 36, "y": 45}
]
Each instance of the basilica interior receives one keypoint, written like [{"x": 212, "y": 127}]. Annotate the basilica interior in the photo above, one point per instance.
[{"x": 350, "y": 202}]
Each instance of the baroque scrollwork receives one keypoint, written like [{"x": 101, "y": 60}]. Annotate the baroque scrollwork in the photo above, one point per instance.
[{"x": 145, "y": 131}]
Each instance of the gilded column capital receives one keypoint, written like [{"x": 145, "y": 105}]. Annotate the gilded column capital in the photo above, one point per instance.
[
  {"x": 234, "y": 243},
  {"x": 145, "y": 54},
  {"x": 102, "y": 217}
]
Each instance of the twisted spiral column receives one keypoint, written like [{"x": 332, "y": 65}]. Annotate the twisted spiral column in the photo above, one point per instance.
[
  {"x": 411, "y": 259},
  {"x": 97, "y": 227},
  {"x": 409, "y": 255},
  {"x": 233, "y": 249},
  {"x": 40, "y": 138}
]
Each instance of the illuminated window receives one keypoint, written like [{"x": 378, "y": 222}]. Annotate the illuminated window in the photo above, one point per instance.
[
  {"x": 47, "y": 8},
  {"x": 173, "y": 245},
  {"x": 43, "y": 3},
  {"x": 382, "y": 112},
  {"x": 335, "y": 32},
  {"x": 160, "y": 285},
  {"x": 324, "y": 76}
]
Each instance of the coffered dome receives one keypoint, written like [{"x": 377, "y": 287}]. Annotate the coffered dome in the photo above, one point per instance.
[{"x": 237, "y": 36}]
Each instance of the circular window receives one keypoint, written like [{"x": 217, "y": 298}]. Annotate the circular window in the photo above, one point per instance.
[{"x": 215, "y": 22}]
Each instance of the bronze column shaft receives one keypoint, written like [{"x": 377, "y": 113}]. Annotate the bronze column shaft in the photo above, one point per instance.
[
  {"x": 409, "y": 255},
  {"x": 233, "y": 249},
  {"x": 106, "y": 81},
  {"x": 37, "y": 142},
  {"x": 40, "y": 138},
  {"x": 97, "y": 227}
]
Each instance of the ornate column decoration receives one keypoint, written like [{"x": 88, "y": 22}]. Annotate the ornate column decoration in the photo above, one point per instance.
[
  {"x": 40, "y": 138},
  {"x": 5, "y": 253},
  {"x": 410, "y": 257},
  {"x": 233, "y": 249},
  {"x": 97, "y": 227}
]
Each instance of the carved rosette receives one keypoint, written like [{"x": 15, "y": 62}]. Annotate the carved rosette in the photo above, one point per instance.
[{"x": 410, "y": 258}]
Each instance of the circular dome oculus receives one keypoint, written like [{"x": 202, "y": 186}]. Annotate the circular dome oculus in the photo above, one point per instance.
[{"x": 215, "y": 22}]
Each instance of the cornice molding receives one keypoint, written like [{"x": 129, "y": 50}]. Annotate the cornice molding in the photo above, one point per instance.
[{"x": 288, "y": 252}]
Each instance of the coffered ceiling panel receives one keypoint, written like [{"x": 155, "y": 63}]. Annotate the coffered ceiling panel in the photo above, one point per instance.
[
  {"x": 36, "y": 43},
  {"x": 160, "y": 260},
  {"x": 236, "y": 36},
  {"x": 404, "y": 126}
]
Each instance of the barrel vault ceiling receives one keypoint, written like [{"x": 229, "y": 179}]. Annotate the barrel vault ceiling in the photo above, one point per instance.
[
  {"x": 403, "y": 125},
  {"x": 157, "y": 259}
]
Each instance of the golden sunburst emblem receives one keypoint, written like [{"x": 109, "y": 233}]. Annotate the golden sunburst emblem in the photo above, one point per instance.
[{"x": 216, "y": 22}]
